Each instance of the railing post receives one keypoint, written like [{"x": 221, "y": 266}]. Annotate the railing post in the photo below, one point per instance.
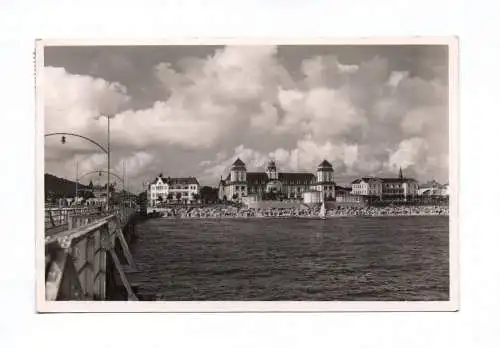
[{"x": 99, "y": 264}]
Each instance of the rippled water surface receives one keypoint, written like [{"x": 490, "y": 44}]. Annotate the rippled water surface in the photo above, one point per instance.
[{"x": 361, "y": 258}]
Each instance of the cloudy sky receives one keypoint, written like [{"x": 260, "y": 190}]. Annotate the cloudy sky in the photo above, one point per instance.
[{"x": 191, "y": 110}]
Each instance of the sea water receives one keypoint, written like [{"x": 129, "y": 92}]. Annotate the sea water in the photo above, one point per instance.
[{"x": 293, "y": 259}]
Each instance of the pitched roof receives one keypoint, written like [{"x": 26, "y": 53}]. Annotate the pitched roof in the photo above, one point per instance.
[
  {"x": 391, "y": 180},
  {"x": 366, "y": 179},
  {"x": 184, "y": 181},
  {"x": 254, "y": 178},
  {"x": 179, "y": 181},
  {"x": 238, "y": 162},
  {"x": 341, "y": 188},
  {"x": 257, "y": 178},
  {"x": 395, "y": 180},
  {"x": 300, "y": 177},
  {"x": 325, "y": 164}
]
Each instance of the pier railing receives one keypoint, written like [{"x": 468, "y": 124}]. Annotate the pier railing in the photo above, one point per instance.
[
  {"x": 80, "y": 261},
  {"x": 60, "y": 218}
]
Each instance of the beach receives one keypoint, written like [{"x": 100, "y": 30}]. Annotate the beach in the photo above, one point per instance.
[{"x": 303, "y": 212}]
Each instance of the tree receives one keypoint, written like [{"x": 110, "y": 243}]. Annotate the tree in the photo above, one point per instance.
[
  {"x": 208, "y": 194},
  {"x": 87, "y": 194},
  {"x": 235, "y": 196},
  {"x": 196, "y": 197},
  {"x": 142, "y": 198},
  {"x": 178, "y": 195},
  {"x": 170, "y": 197}
]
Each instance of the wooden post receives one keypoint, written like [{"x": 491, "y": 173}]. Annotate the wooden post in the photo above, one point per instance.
[
  {"x": 99, "y": 266},
  {"x": 89, "y": 275},
  {"x": 54, "y": 276},
  {"x": 51, "y": 219},
  {"x": 79, "y": 256},
  {"x": 123, "y": 277},
  {"x": 125, "y": 248},
  {"x": 62, "y": 279}
]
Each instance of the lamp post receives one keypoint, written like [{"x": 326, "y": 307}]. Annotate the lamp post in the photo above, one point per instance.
[
  {"x": 109, "y": 167},
  {"x": 106, "y": 150}
]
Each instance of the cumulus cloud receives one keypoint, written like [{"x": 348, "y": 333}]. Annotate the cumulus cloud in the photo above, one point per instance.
[{"x": 247, "y": 102}]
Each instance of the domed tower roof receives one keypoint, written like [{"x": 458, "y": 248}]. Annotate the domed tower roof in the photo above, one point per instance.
[
  {"x": 325, "y": 166},
  {"x": 238, "y": 163}
]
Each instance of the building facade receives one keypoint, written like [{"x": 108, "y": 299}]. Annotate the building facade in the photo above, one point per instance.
[
  {"x": 367, "y": 186},
  {"x": 171, "y": 190},
  {"x": 399, "y": 188},
  {"x": 240, "y": 183}
]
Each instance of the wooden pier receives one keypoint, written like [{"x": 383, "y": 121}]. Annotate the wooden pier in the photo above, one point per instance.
[{"x": 86, "y": 254}]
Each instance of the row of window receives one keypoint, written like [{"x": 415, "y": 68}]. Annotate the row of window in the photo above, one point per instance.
[
  {"x": 253, "y": 189},
  {"x": 156, "y": 196},
  {"x": 364, "y": 185},
  {"x": 325, "y": 177},
  {"x": 284, "y": 182},
  {"x": 175, "y": 187}
]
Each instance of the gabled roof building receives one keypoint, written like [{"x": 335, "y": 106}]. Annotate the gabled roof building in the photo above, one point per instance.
[
  {"x": 167, "y": 189},
  {"x": 388, "y": 188}
]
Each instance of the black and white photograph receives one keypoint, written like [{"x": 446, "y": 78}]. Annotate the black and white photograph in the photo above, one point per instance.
[{"x": 238, "y": 175}]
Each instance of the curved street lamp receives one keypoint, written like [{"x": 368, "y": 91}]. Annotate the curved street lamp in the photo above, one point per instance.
[
  {"x": 106, "y": 150},
  {"x": 64, "y": 135}
]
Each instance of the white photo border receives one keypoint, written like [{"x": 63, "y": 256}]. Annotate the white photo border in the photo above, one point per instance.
[{"x": 44, "y": 306}]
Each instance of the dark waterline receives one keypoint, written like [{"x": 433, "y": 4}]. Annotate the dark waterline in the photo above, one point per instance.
[{"x": 348, "y": 259}]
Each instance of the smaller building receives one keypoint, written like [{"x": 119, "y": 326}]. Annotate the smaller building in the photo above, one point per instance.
[
  {"x": 387, "y": 189},
  {"x": 312, "y": 197},
  {"x": 367, "y": 186},
  {"x": 345, "y": 196}
]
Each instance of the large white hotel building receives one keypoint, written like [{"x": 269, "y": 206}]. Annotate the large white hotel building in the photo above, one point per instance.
[{"x": 182, "y": 190}]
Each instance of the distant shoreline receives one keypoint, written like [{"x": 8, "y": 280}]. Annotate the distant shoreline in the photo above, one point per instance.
[{"x": 290, "y": 217}]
